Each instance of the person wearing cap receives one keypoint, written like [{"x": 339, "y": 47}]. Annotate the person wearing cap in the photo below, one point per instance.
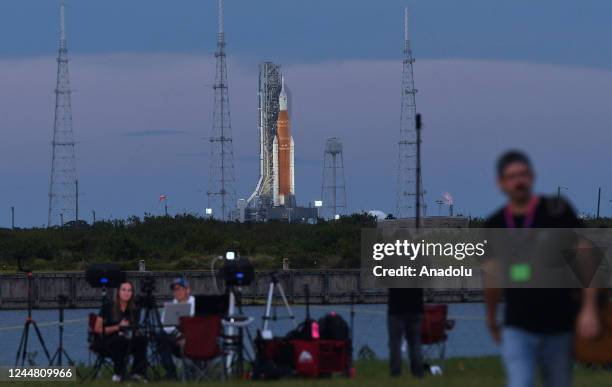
[
  {"x": 171, "y": 341},
  {"x": 182, "y": 294}
]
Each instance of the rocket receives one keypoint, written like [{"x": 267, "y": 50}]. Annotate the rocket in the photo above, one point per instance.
[{"x": 283, "y": 155}]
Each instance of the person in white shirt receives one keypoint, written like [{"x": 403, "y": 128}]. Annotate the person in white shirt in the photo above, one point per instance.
[
  {"x": 172, "y": 342},
  {"x": 182, "y": 294}
]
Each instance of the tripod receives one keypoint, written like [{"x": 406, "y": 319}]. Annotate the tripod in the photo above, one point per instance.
[
  {"x": 235, "y": 324},
  {"x": 61, "y": 351},
  {"x": 151, "y": 327},
  {"x": 23, "y": 342},
  {"x": 274, "y": 284}
]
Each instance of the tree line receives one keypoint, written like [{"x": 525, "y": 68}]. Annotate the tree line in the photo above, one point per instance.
[
  {"x": 184, "y": 242},
  {"x": 188, "y": 242}
]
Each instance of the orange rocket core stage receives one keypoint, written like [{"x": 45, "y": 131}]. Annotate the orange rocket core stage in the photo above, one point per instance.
[{"x": 284, "y": 153}]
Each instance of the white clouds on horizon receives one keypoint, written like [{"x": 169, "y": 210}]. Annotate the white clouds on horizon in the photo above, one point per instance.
[{"x": 472, "y": 110}]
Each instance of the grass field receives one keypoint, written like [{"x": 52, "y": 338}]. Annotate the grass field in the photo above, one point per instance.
[{"x": 472, "y": 372}]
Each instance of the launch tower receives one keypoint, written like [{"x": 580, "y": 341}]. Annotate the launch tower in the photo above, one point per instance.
[{"x": 270, "y": 80}]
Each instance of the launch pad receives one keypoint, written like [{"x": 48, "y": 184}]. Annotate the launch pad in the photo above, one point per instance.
[{"x": 295, "y": 214}]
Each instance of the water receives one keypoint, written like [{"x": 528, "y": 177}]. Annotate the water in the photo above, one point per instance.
[{"x": 468, "y": 338}]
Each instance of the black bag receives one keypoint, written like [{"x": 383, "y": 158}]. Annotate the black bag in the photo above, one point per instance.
[
  {"x": 333, "y": 327},
  {"x": 279, "y": 366}
]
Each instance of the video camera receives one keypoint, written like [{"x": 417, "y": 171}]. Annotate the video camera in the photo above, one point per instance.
[
  {"x": 104, "y": 275},
  {"x": 147, "y": 285},
  {"x": 237, "y": 271}
]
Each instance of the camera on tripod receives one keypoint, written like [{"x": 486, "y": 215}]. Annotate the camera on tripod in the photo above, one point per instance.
[
  {"x": 146, "y": 299},
  {"x": 104, "y": 275},
  {"x": 148, "y": 285},
  {"x": 237, "y": 271}
]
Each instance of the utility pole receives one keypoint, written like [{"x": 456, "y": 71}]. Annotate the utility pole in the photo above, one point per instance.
[
  {"x": 559, "y": 188},
  {"x": 12, "y": 217},
  {"x": 76, "y": 207},
  {"x": 418, "y": 170},
  {"x": 598, "y": 201},
  {"x": 93, "y": 212}
]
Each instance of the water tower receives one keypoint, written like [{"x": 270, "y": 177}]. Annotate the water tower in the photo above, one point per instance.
[{"x": 333, "y": 189}]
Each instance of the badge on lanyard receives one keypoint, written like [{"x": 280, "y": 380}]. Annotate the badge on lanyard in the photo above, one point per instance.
[{"x": 521, "y": 272}]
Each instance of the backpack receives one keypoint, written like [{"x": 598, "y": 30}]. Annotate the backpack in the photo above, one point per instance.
[
  {"x": 333, "y": 327},
  {"x": 306, "y": 330}
]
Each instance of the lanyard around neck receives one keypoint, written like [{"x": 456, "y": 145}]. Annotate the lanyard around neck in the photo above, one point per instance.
[{"x": 528, "y": 221}]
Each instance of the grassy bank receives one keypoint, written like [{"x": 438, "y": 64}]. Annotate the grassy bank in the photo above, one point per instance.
[{"x": 469, "y": 372}]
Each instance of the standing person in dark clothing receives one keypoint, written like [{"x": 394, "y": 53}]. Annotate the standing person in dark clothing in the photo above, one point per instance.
[
  {"x": 539, "y": 323},
  {"x": 117, "y": 325},
  {"x": 405, "y": 311}
]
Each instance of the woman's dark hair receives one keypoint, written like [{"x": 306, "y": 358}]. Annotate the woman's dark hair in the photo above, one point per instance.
[
  {"x": 131, "y": 306},
  {"x": 509, "y": 157}
]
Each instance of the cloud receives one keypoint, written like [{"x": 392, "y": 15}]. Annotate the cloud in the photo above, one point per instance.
[{"x": 472, "y": 110}]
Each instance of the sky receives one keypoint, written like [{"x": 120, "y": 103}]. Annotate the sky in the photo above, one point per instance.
[{"x": 490, "y": 76}]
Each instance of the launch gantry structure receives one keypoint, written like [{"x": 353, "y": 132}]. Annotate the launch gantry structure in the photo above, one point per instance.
[{"x": 270, "y": 83}]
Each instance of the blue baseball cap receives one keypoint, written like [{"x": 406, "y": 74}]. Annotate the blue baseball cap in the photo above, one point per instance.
[{"x": 181, "y": 281}]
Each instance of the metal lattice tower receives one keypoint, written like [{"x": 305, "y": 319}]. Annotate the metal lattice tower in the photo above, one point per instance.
[
  {"x": 333, "y": 188},
  {"x": 221, "y": 185},
  {"x": 407, "y": 144},
  {"x": 63, "y": 190},
  {"x": 270, "y": 80}
]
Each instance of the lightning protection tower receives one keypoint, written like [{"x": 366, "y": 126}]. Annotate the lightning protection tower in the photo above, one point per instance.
[
  {"x": 221, "y": 185},
  {"x": 333, "y": 189},
  {"x": 63, "y": 189},
  {"x": 407, "y": 144}
]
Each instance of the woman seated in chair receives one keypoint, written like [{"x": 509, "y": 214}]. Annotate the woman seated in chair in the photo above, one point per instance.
[{"x": 117, "y": 325}]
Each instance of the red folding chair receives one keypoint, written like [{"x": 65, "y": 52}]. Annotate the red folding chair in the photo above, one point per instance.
[
  {"x": 94, "y": 341},
  {"x": 202, "y": 354},
  {"x": 434, "y": 329}
]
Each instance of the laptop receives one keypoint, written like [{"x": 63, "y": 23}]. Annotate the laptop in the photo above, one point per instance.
[{"x": 174, "y": 311}]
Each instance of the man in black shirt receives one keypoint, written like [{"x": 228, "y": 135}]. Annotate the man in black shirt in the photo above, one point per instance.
[
  {"x": 405, "y": 311},
  {"x": 539, "y": 323}
]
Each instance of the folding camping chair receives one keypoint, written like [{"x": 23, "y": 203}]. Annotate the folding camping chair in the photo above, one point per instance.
[
  {"x": 95, "y": 347},
  {"x": 202, "y": 354},
  {"x": 434, "y": 329}
]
